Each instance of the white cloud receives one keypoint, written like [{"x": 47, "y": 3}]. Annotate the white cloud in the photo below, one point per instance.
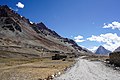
[
  {"x": 79, "y": 39},
  {"x": 20, "y": 5},
  {"x": 111, "y": 41},
  {"x": 113, "y": 25},
  {"x": 93, "y": 49}
]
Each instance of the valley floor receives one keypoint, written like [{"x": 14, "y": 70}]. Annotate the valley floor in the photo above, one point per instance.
[
  {"x": 31, "y": 69},
  {"x": 90, "y": 70}
]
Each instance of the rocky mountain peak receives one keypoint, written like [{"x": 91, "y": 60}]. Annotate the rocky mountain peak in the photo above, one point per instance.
[
  {"x": 101, "y": 47},
  {"x": 101, "y": 50},
  {"x": 45, "y": 30},
  {"x": 41, "y": 25}
]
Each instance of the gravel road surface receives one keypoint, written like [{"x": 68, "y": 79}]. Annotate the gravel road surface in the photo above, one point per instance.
[{"x": 90, "y": 70}]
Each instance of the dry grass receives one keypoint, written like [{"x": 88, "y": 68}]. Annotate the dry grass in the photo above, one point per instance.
[
  {"x": 97, "y": 58},
  {"x": 31, "y": 69}
]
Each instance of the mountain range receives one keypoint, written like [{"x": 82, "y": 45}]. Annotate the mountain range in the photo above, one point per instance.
[{"x": 19, "y": 35}]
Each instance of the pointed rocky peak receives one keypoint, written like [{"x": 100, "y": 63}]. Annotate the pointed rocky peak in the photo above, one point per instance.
[
  {"x": 41, "y": 26},
  {"x": 101, "y": 47},
  {"x": 45, "y": 30},
  {"x": 101, "y": 50}
]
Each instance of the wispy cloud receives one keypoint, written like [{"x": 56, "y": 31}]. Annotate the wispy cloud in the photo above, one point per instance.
[
  {"x": 79, "y": 39},
  {"x": 113, "y": 25},
  {"x": 110, "y": 41},
  {"x": 20, "y": 5},
  {"x": 93, "y": 49}
]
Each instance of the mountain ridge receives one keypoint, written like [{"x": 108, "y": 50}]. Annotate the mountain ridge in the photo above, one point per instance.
[
  {"x": 17, "y": 31},
  {"x": 117, "y": 49}
]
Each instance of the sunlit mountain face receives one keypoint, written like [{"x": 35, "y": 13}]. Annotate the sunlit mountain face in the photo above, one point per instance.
[{"x": 102, "y": 51}]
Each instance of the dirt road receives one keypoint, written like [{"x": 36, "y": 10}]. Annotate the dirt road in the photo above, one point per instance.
[{"x": 90, "y": 70}]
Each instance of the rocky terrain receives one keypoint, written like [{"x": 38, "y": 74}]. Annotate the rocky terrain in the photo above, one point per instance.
[
  {"x": 115, "y": 58},
  {"x": 27, "y": 49},
  {"x": 27, "y": 39},
  {"x": 32, "y": 51}
]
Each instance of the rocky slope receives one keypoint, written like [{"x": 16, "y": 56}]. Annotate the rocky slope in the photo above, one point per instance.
[
  {"x": 117, "y": 50},
  {"x": 18, "y": 35},
  {"x": 115, "y": 57},
  {"x": 102, "y": 51}
]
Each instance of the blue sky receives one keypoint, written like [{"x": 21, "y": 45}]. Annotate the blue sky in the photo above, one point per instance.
[{"x": 76, "y": 19}]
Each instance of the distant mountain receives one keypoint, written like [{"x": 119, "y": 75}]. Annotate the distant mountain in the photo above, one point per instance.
[
  {"x": 18, "y": 34},
  {"x": 102, "y": 51},
  {"x": 117, "y": 50}
]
